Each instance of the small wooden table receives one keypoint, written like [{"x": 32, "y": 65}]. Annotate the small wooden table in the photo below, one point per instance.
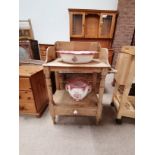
[{"x": 61, "y": 103}]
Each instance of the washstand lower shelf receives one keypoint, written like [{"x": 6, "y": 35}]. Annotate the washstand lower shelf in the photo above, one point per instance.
[{"x": 65, "y": 105}]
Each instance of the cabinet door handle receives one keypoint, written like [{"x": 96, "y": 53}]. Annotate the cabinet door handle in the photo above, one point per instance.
[{"x": 75, "y": 112}]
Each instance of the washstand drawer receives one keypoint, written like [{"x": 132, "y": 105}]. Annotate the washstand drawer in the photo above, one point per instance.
[
  {"x": 60, "y": 110},
  {"x": 24, "y": 84}
]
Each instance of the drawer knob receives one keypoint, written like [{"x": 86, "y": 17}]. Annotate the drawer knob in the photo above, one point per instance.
[
  {"x": 21, "y": 108},
  {"x": 75, "y": 112}
]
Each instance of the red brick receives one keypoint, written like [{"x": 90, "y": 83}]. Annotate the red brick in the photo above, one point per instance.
[{"x": 125, "y": 26}]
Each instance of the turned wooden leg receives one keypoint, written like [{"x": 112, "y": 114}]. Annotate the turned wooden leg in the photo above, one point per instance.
[
  {"x": 114, "y": 94},
  {"x": 50, "y": 93},
  {"x": 101, "y": 92},
  {"x": 53, "y": 118},
  {"x": 97, "y": 120},
  {"x": 113, "y": 82},
  {"x": 94, "y": 82}
]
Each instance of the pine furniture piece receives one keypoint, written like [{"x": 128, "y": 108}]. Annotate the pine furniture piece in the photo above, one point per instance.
[
  {"x": 33, "y": 97},
  {"x": 25, "y": 29},
  {"x": 43, "y": 48},
  {"x": 93, "y": 25},
  {"x": 124, "y": 103},
  {"x": 60, "y": 103}
]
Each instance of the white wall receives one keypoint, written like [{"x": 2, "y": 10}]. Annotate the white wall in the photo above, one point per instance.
[{"x": 50, "y": 18}]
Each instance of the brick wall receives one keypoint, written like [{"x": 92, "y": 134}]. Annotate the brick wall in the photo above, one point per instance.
[{"x": 125, "y": 26}]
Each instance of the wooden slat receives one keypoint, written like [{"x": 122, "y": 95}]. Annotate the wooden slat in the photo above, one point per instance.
[{"x": 113, "y": 25}]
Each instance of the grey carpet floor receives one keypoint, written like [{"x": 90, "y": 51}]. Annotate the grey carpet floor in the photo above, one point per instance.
[{"x": 77, "y": 135}]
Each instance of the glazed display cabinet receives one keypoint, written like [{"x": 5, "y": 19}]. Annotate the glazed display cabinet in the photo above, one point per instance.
[{"x": 93, "y": 25}]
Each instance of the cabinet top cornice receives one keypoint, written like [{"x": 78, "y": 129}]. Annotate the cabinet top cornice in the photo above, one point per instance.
[{"x": 92, "y": 10}]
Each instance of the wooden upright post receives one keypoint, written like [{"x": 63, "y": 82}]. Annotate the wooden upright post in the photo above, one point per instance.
[{"x": 50, "y": 93}]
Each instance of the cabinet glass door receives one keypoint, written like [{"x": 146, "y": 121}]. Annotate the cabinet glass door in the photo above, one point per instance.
[
  {"x": 77, "y": 24},
  {"x": 106, "y": 25}
]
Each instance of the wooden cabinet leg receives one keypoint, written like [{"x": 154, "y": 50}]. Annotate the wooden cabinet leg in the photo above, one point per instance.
[
  {"x": 51, "y": 109},
  {"x": 119, "y": 117}
]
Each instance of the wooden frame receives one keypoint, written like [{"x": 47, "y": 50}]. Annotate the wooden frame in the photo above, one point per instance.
[
  {"x": 82, "y": 26},
  {"x": 125, "y": 104},
  {"x": 112, "y": 28}
]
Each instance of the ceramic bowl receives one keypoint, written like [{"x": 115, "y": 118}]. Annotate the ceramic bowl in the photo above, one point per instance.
[
  {"x": 78, "y": 88},
  {"x": 77, "y": 56}
]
